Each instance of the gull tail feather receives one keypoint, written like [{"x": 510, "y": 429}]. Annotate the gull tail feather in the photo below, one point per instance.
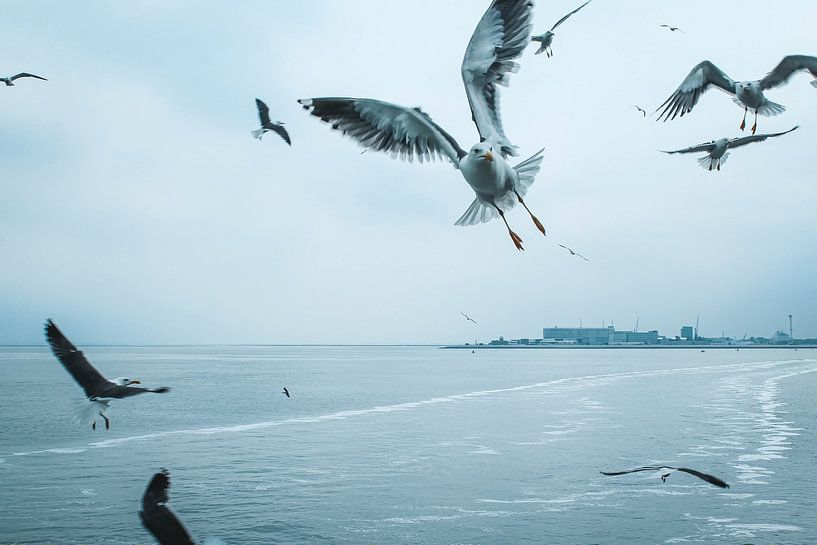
[
  {"x": 527, "y": 171},
  {"x": 771, "y": 109},
  {"x": 88, "y": 411},
  {"x": 258, "y": 133},
  {"x": 708, "y": 163},
  {"x": 478, "y": 212},
  {"x": 814, "y": 83}
]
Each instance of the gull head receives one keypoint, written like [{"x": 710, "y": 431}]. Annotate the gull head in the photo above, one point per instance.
[
  {"x": 125, "y": 381},
  {"x": 483, "y": 150}
]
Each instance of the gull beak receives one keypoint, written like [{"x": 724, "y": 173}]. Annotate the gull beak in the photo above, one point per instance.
[{"x": 488, "y": 156}]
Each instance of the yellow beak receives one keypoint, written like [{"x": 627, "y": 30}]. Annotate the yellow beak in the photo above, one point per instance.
[{"x": 488, "y": 156}]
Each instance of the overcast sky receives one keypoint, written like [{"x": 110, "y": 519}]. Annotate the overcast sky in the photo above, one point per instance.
[{"x": 135, "y": 207}]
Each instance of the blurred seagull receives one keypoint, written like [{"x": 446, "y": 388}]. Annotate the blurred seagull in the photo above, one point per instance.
[
  {"x": 704, "y": 476},
  {"x": 545, "y": 40},
  {"x": 468, "y": 318},
  {"x": 640, "y": 109},
  {"x": 267, "y": 125},
  {"x": 672, "y": 28},
  {"x": 160, "y": 520},
  {"x": 98, "y": 389},
  {"x": 10, "y": 81},
  {"x": 500, "y": 37},
  {"x": 577, "y": 254},
  {"x": 286, "y": 392},
  {"x": 717, "y": 150},
  {"x": 748, "y": 94}
]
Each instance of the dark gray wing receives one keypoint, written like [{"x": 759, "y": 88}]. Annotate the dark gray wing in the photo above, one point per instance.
[
  {"x": 634, "y": 470},
  {"x": 563, "y": 19},
  {"x": 119, "y": 392},
  {"x": 382, "y": 126},
  {"x": 282, "y": 132},
  {"x": 709, "y": 146},
  {"x": 738, "y": 142},
  {"x": 26, "y": 75},
  {"x": 787, "y": 68},
  {"x": 501, "y": 36},
  {"x": 157, "y": 517},
  {"x": 75, "y": 363},
  {"x": 699, "y": 80},
  {"x": 711, "y": 479},
  {"x": 263, "y": 113}
]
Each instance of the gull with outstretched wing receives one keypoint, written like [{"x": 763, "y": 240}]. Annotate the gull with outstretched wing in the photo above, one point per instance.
[
  {"x": 9, "y": 81},
  {"x": 500, "y": 37},
  {"x": 711, "y": 479},
  {"x": 546, "y": 40}
]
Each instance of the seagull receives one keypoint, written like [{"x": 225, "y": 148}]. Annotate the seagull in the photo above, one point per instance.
[
  {"x": 267, "y": 125},
  {"x": 546, "y": 39},
  {"x": 98, "y": 389},
  {"x": 468, "y": 318},
  {"x": 160, "y": 520},
  {"x": 10, "y": 81},
  {"x": 286, "y": 392},
  {"x": 717, "y": 150},
  {"x": 640, "y": 109},
  {"x": 500, "y": 37},
  {"x": 672, "y": 28},
  {"x": 748, "y": 94},
  {"x": 708, "y": 478},
  {"x": 577, "y": 254}
]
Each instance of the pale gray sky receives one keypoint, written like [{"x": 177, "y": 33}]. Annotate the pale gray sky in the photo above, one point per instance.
[{"x": 137, "y": 208}]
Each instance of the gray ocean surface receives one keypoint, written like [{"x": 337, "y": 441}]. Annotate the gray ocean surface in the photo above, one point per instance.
[{"x": 416, "y": 445}]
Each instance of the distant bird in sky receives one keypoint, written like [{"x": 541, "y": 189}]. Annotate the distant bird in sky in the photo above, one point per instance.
[
  {"x": 672, "y": 28},
  {"x": 10, "y": 80},
  {"x": 577, "y": 254},
  {"x": 468, "y": 318},
  {"x": 98, "y": 389},
  {"x": 716, "y": 151},
  {"x": 160, "y": 520},
  {"x": 500, "y": 37},
  {"x": 748, "y": 94},
  {"x": 640, "y": 109},
  {"x": 545, "y": 40},
  {"x": 267, "y": 125},
  {"x": 286, "y": 392},
  {"x": 704, "y": 476}
]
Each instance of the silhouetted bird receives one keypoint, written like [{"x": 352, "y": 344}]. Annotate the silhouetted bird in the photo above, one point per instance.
[
  {"x": 545, "y": 40},
  {"x": 711, "y": 479},
  {"x": 10, "y": 81},
  {"x": 267, "y": 125},
  {"x": 672, "y": 28},
  {"x": 468, "y": 317},
  {"x": 286, "y": 392},
  {"x": 577, "y": 254}
]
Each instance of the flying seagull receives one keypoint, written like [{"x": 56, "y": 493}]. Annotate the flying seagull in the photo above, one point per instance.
[
  {"x": 160, "y": 520},
  {"x": 716, "y": 152},
  {"x": 640, "y": 109},
  {"x": 286, "y": 392},
  {"x": 748, "y": 94},
  {"x": 10, "y": 81},
  {"x": 545, "y": 40},
  {"x": 577, "y": 254},
  {"x": 672, "y": 28},
  {"x": 267, "y": 125},
  {"x": 100, "y": 391},
  {"x": 468, "y": 318},
  {"x": 500, "y": 37},
  {"x": 706, "y": 477}
]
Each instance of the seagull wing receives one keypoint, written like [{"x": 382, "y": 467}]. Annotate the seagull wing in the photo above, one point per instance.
[
  {"x": 26, "y": 75},
  {"x": 382, "y": 126},
  {"x": 634, "y": 470},
  {"x": 738, "y": 142},
  {"x": 263, "y": 113},
  {"x": 787, "y": 67},
  {"x": 119, "y": 392},
  {"x": 709, "y": 146},
  {"x": 705, "y": 476},
  {"x": 500, "y": 37},
  {"x": 282, "y": 132},
  {"x": 699, "y": 80},
  {"x": 563, "y": 19},
  {"x": 75, "y": 363},
  {"x": 158, "y": 518}
]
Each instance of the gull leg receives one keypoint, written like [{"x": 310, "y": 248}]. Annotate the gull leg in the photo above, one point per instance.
[
  {"x": 743, "y": 123},
  {"x": 664, "y": 477},
  {"x": 754, "y": 127},
  {"x": 93, "y": 425},
  {"x": 514, "y": 237},
  {"x": 536, "y": 221},
  {"x": 107, "y": 422}
]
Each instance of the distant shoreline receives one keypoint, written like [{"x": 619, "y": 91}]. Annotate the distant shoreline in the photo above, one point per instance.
[{"x": 627, "y": 347}]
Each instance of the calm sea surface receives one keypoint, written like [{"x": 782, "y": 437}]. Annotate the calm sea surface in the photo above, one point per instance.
[{"x": 415, "y": 445}]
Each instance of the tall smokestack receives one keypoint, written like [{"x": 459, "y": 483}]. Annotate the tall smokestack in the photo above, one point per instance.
[{"x": 791, "y": 331}]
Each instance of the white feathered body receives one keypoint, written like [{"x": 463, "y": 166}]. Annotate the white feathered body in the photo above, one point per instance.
[{"x": 750, "y": 95}]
